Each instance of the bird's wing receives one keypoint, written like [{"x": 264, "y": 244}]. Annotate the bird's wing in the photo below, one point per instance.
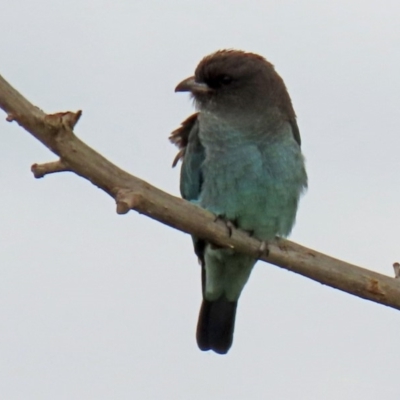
[{"x": 191, "y": 152}]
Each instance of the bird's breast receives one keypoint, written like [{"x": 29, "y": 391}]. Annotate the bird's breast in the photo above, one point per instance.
[
  {"x": 253, "y": 181},
  {"x": 232, "y": 176}
]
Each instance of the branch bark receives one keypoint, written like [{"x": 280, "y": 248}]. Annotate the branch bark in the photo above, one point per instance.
[{"x": 55, "y": 131}]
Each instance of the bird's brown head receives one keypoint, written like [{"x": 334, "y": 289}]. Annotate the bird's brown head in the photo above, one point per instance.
[{"x": 236, "y": 81}]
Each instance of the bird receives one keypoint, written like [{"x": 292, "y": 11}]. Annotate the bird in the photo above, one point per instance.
[{"x": 242, "y": 161}]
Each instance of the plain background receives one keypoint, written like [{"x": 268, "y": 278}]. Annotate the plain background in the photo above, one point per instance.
[{"x": 99, "y": 306}]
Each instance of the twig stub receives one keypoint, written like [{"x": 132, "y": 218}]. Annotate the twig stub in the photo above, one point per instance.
[
  {"x": 41, "y": 170},
  {"x": 396, "y": 267}
]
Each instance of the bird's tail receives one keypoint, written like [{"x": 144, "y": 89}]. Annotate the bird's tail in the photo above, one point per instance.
[{"x": 216, "y": 325}]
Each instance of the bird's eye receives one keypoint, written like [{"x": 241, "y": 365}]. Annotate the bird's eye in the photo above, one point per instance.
[
  {"x": 225, "y": 79},
  {"x": 218, "y": 81}
]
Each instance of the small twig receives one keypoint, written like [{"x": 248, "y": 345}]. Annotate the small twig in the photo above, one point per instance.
[
  {"x": 40, "y": 170},
  {"x": 396, "y": 267}
]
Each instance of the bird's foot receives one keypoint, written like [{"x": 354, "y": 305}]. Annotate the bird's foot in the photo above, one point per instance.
[
  {"x": 263, "y": 250},
  {"x": 230, "y": 225}
]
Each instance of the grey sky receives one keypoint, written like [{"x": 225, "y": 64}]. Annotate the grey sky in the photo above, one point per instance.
[{"x": 99, "y": 306}]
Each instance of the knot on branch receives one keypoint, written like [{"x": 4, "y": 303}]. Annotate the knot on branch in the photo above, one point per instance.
[
  {"x": 67, "y": 119},
  {"x": 10, "y": 117},
  {"x": 373, "y": 286},
  {"x": 127, "y": 200}
]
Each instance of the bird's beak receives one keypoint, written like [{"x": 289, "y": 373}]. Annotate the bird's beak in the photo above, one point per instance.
[{"x": 190, "y": 85}]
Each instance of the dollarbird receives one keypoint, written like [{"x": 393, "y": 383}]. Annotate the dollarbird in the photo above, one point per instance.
[{"x": 241, "y": 160}]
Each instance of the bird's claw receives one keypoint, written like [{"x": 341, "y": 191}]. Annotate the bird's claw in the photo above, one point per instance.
[
  {"x": 229, "y": 224},
  {"x": 263, "y": 249}
]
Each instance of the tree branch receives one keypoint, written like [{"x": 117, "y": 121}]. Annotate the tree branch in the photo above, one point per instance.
[
  {"x": 132, "y": 193},
  {"x": 40, "y": 170}
]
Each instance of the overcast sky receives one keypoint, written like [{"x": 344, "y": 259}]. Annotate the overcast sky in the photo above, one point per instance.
[{"x": 99, "y": 306}]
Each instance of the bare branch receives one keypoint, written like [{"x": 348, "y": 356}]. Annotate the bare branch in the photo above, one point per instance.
[{"x": 130, "y": 192}]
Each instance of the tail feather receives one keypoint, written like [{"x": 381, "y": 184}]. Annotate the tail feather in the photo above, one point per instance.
[{"x": 216, "y": 325}]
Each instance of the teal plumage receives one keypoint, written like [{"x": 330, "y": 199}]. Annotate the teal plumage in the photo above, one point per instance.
[{"x": 241, "y": 160}]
